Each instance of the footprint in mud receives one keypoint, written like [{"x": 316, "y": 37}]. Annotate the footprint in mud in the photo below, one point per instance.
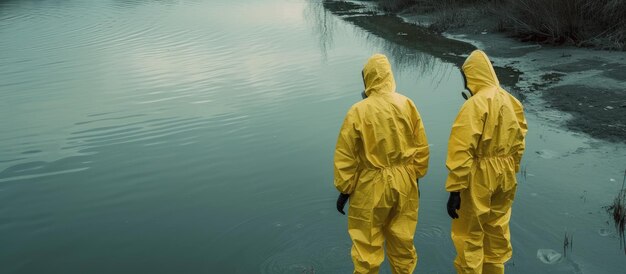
[
  {"x": 547, "y": 154},
  {"x": 549, "y": 256}
]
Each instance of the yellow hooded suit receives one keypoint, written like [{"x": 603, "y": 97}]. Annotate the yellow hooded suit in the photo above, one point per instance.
[
  {"x": 484, "y": 152},
  {"x": 381, "y": 152}
]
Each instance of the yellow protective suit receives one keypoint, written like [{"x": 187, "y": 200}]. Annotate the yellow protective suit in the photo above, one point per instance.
[
  {"x": 381, "y": 152},
  {"x": 484, "y": 152}
]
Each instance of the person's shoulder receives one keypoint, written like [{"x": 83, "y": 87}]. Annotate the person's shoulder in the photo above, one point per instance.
[
  {"x": 514, "y": 99},
  {"x": 516, "y": 102},
  {"x": 485, "y": 97},
  {"x": 399, "y": 97},
  {"x": 477, "y": 103},
  {"x": 358, "y": 107},
  {"x": 487, "y": 92}
]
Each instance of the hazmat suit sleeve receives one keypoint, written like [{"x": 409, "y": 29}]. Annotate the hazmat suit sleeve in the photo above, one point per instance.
[
  {"x": 521, "y": 119},
  {"x": 346, "y": 164},
  {"x": 466, "y": 133},
  {"x": 421, "y": 157}
]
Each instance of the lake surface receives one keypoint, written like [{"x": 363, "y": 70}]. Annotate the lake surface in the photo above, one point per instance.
[{"x": 198, "y": 136}]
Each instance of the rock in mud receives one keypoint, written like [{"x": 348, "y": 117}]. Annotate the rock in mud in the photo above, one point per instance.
[{"x": 549, "y": 256}]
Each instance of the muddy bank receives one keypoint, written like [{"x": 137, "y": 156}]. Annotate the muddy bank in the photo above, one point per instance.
[
  {"x": 590, "y": 85},
  {"x": 393, "y": 28},
  {"x": 600, "y": 113}
]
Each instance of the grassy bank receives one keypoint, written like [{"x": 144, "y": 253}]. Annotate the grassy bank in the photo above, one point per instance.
[{"x": 583, "y": 23}]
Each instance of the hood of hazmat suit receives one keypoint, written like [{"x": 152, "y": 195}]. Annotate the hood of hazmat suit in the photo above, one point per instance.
[
  {"x": 484, "y": 153},
  {"x": 381, "y": 151}
]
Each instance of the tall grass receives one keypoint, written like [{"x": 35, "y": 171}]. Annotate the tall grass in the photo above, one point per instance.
[
  {"x": 451, "y": 14},
  {"x": 395, "y": 5},
  {"x": 568, "y": 243},
  {"x": 578, "y": 22},
  {"x": 581, "y": 22},
  {"x": 618, "y": 212}
]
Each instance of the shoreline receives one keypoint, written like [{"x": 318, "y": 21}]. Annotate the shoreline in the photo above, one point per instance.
[{"x": 581, "y": 89}]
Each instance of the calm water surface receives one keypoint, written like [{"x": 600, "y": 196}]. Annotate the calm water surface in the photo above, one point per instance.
[{"x": 197, "y": 137}]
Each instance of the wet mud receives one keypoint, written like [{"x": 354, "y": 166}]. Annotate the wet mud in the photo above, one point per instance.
[{"x": 596, "y": 111}]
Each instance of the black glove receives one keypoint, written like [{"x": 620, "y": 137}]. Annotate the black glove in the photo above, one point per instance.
[
  {"x": 341, "y": 202},
  {"x": 454, "y": 203}
]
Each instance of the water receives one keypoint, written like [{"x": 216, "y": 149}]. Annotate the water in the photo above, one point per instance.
[{"x": 197, "y": 137}]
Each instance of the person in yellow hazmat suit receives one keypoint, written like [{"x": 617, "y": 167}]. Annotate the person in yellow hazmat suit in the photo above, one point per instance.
[
  {"x": 484, "y": 153},
  {"x": 380, "y": 154}
]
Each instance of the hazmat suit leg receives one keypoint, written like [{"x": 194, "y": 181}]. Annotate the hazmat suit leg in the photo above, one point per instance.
[
  {"x": 498, "y": 249},
  {"x": 400, "y": 231},
  {"x": 481, "y": 234},
  {"x": 489, "y": 268},
  {"x": 467, "y": 233},
  {"x": 364, "y": 225},
  {"x": 367, "y": 247},
  {"x": 384, "y": 210}
]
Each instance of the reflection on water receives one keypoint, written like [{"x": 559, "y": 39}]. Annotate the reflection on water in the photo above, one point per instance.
[
  {"x": 197, "y": 136},
  {"x": 323, "y": 23}
]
